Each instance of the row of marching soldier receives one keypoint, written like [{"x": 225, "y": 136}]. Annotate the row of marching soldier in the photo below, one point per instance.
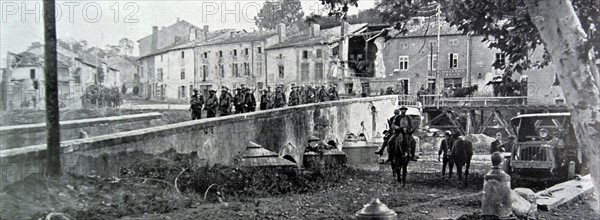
[{"x": 244, "y": 101}]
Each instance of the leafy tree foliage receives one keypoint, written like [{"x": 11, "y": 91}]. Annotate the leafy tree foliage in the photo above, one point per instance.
[
  {"x": 272, "y": 13},
  {"x": 371, "y": 16}
]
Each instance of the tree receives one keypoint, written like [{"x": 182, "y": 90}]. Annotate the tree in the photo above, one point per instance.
[
  {"x": 566, "y": 29},
  {"x": 272, "y": 13},
  {"x": 126, "y": 46}
]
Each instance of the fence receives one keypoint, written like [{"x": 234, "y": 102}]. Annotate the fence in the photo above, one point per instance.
[{"x": 440, "y": 101}]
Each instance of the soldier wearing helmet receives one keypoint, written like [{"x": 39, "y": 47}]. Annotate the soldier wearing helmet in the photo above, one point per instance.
[{"x": 196, "y": 104}]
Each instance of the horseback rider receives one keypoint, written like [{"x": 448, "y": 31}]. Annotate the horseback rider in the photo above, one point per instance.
[
  {"x": 388, "y": 133},
  {"x": 405, "y": 127}
]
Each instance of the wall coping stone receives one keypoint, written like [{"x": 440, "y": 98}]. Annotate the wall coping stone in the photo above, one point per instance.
[{"x": 41, "y": 127}]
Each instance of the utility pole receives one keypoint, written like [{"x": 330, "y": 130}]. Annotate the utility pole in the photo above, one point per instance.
[{"x": 51, "y": 75}]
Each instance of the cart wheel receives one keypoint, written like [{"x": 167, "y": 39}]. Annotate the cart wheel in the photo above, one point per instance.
[{"x": 571, "y": 172}]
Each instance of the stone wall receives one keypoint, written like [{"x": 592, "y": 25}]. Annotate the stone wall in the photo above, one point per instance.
[{"x": 214, "y": 141}]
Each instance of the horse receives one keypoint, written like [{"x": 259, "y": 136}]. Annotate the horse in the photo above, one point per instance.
[
  {"x": 466, "y": 91},
  {"x": 462, "y": 152},
  {"x": 399, "y": 155}
]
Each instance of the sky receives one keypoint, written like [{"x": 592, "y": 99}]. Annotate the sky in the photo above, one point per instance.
[{"x": 107, "y": 21}]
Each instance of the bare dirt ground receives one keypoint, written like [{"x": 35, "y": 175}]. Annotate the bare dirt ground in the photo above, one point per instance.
[{"x": 171, "y": 188}]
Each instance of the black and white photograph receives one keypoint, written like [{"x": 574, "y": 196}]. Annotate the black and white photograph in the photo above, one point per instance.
[{"x": 299, "y": 109}]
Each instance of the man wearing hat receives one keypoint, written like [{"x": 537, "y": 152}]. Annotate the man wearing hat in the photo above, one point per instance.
[
  {"x": 294, "y": 97},
  {"x": 403, "y": 125},
  {"x": 225, "y": 102},
  {"x": 196, "y": 104},
  {"x": 495, "y": 145},
  {"x": 388, "y": 133},
  {"x": 510, "y": 146},
  {"x": 265, "y": 100},
  {"x": 249, "y": 101},
  {"x": 323, "y": 96},
  {"x": 446, "y": 151},
  {"x": 333, "y": 93},
  {"x": 279, "y": 98},
  {"x": 238, "y": 101},
  {"x": 211, "y": 104},
  {"x": 310, "y": 94}
]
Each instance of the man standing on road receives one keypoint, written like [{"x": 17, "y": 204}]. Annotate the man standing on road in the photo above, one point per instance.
[
  {"x": 238, "y": 101},
  {"x": 225, "y": 102},
  {"x": 249, "y": 101},
  {"x": 265, "y": 100},
  {"x": 196, "y": 105},
  {"x": 211, "y": 104},
  {"x": 495, "y": 146},
  {"x": 294, "y": 96},
  {"x": 279, "y": 98},
  {"x": 446, "y": 152}
]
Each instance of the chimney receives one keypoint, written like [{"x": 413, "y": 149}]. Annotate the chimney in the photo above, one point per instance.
[
  {"x": 315, "y": 30},
  {"x": 281, "y": 32},
  {"x": 154, "y": 40},
  {"x": 205, "y": 32}
]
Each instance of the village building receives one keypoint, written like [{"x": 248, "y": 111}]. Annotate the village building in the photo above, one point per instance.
[{"x": 418, "y": 58}]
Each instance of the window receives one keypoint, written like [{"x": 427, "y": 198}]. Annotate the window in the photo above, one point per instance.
[
  {"x": 403, "y": 61},
  {"x": 235, "y": 52},
  {"x": 221, "y": 70},
  {"x": 304, "y": 54},
  {"x": 191, "y": 90},
  {"x": 181, "y": 92},
  {"x": 500, "y": 58},
  {"x": 433, "y": 62},
  {"x": 246, "y": 69},
  {"x": 453, "y": 82},
  {"x": 246, "y": 51},
  {"x": 280, "y": 56},
  {"x": 453, "y": 60},
  {"x": 259, "y": 68},
  {"x": 182, "y": 54},
  {"x": 205, "y": 55},
  {"x": 433, "y": 43},
  {"x": 281, "y": 73},
  {"x": 161, "y": 58},
  {"x": 259, "y": 50},
  {"x": 234, "y": 70},
  {"x": 160, "y": 73},
  {"x": 404, "y": 45},
  {"x": 32, "y": 73},
  {"x": 304, "y": 71},
  {"x": 319, "y": 53},
  {"x": 453, "y": 42},
  {"x": 204, "y": 72},
  {"x": 318, "y": 71},
  {"x": 220, "y": 53},
  {"x": 182, "y": 73}
]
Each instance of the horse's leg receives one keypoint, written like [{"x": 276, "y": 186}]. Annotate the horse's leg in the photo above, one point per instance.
[
  {"x": 450, "y": 168},
  {"x": 459, "y": 172},
  {"x": 467, "y": 172},
  {"x": 404, "y": 171}
]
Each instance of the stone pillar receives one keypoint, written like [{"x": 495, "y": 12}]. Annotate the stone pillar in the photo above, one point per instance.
[{"x": 496, "y": 199}]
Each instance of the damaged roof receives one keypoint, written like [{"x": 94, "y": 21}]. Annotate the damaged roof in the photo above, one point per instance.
[{"x": 326, "y": 36}]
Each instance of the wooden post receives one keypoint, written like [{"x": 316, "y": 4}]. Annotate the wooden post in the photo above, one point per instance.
[{"x": 51, "y": 75}]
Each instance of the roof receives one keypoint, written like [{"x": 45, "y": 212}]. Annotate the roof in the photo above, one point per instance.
[
  {"x": 326, "y": 36},
  {"x": 245, "y": 37},
  {"x": 539, "y": 115},
  {"x": 428, "y": 28},
  {"x": 164, "y": 29},
  {"x": 212, "y": 37}
]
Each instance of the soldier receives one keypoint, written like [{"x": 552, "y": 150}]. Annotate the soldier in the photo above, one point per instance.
[
  {"x": 249, "y": 101},
  {"x": 225, "y": 102},
  {"x": 294, "y": 97},
  {"x": 405, "y": 127},
  {"x": 265, "y": 100},
  {"x": 196, "y": 104},
  {"x": 238, "y": 101},
  {"x": 211, "y": 104},
  {"x": 323, "y": 96},
  {"x": 389, "y": 133},
  {"x": 446, "y": 152},
  {"x": 495, "y": 146},
  {"x": 333, "y": 93},
  {"x": 310, "y": 94},
  {"x": 279, "y": 98}
]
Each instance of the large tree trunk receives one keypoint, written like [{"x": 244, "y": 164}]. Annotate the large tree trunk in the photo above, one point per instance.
[{"x": 562, "y": 34}]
